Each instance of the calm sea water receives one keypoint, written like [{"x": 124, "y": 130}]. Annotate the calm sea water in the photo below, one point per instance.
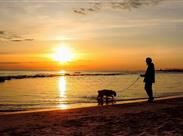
[{"x": 69, "y": 91}]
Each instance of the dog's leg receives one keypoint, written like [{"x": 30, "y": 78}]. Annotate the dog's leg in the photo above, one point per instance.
[
  {"x": 112, "y": 100},
  {"x": 100, "y": 100},
  {"x": 107, "y": 99}
]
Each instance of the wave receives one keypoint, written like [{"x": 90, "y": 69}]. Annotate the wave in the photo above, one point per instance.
[{"x": 8, "y": 108}]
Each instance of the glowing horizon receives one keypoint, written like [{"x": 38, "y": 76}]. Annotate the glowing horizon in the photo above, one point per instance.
[{"x": 86, "y": 36}]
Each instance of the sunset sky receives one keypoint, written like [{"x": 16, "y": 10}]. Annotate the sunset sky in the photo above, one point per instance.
[{"x": 111, "y": 35}]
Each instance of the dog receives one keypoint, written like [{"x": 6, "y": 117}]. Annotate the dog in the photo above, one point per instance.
[{"x": 105, "y": 95}]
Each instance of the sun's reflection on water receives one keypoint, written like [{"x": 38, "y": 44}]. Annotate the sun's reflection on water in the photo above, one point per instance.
[
  {"x": 63, "y": 106},
  {"x": 62, "y": 92},
  {"x": 62, "y": 87}
]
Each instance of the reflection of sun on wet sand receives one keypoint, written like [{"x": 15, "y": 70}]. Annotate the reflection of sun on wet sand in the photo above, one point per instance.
[{"x": 164, "y": 117}]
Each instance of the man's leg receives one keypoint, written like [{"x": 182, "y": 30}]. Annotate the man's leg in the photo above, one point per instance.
[{"x": 148, "y": 88}]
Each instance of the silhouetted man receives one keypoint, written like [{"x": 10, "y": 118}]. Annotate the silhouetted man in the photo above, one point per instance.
[{"x": 149, "y": 78}]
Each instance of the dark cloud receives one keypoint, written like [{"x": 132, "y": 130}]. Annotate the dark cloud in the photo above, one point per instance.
[
  {"x": 2, "y": 32},
  {"x": 79, "y": 11},
  {"x": 125, "y": 4},
  {"x": 91, "y": 9},
  {"x": 25, "y": 62},
  {"x": 16, "y": 40},
  {"x": 5, "y": 63},
  {"x": 4, "y": 52},
  {"x": 28, "y": 39},
  {"x": 7, "y": 36}
]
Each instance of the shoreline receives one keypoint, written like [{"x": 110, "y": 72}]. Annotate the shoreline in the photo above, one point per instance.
[
  {"x": 89, "y": 105},
  {"x": 163, "y": 117}
]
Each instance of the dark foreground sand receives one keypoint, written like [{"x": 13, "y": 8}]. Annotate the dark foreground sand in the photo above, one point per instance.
[{"x": 163, "y": 118}]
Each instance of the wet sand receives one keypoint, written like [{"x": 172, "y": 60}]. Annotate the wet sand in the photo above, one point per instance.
[{"x": 163, "y": 117}]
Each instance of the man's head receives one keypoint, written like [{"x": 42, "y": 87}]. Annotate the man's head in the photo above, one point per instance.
[{"x": 148, "y": 60}]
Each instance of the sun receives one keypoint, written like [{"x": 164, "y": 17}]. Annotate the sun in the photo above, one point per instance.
[{"x": 63, "y": 54}]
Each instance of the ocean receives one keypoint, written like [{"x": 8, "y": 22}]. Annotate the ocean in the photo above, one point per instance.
[{"x": 64, "y": 90}]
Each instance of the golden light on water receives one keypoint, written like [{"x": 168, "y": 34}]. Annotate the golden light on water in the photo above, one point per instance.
[
  {"x": 62, "y": 87},
  {"x": 62, "y": 92},
  {"x": 63, "y": 54},
  {"x": 62, "y": 72},
  {"x": 63, "y": 106}
]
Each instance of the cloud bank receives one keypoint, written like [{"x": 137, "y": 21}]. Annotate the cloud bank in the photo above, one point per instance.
[
  {"x": 8, "y": 36},
  {"x": 119, "y": 4}
]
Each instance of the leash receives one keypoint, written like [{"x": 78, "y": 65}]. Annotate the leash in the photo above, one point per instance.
[{"x": 131, "y": 84}]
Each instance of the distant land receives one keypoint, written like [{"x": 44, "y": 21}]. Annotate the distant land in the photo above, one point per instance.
[
  {"x": 4, "y": 78},
  {"x": 170, "y": 70}
]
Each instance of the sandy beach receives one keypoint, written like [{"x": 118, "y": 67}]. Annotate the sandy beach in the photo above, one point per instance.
[{"x": 163, "y": 117}]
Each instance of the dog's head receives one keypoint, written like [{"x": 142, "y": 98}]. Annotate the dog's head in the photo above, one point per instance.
[{"x": 114, "y": 93}]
